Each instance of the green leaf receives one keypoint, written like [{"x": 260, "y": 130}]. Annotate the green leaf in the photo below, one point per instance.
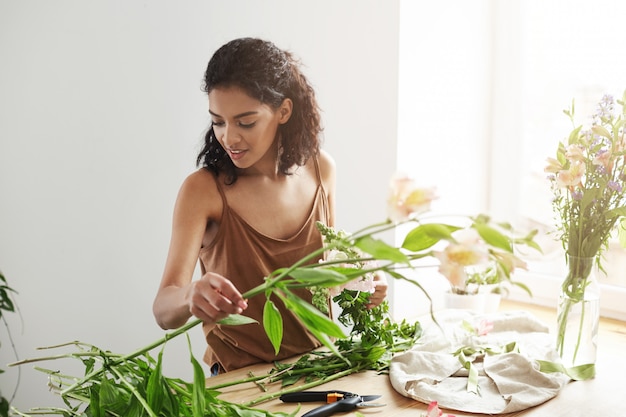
[
  {"x": 573, "y": 136},
  {"x": 113, "y": 398},
  {"x": 621, "y": 233},
  {"x": 311, "y": 316},
  {"x": 237, "y": 320},
  {"x": 426, "y": 235},
  {"x": 523, "y": 286},
  {"x": 198, "y": 399},
  {"x": 577, "y": 373},
  {"x": 601, "y": 131},
  {"x": 493, "y": 237},
  {"x": 616, "y": 212},
  {"x": 322, "y": 277},
  {"x": 381, "y": 250},
  {"x": 94, "y": 401},
  {"x": 529, "y": 241},
  {"x": 273, "y": 324},
  {"x": 4, "y": 407},
  {"x": 318, "y": 324},
  {"x": 156, "y": 385}
]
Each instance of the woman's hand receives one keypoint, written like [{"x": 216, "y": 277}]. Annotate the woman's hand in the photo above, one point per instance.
[
  {"x": 214, "y": 297},
  {"x": 380, "y": 291}
]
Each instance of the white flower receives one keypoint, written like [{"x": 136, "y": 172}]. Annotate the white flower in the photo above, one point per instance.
[{"x": 407, "y": 199}]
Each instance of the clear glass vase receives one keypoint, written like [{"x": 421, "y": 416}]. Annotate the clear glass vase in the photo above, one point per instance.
[{"x": 578, "y": 313}]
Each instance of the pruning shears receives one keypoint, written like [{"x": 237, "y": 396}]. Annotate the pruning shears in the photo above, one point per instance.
[{"x": 336, "y": 401}]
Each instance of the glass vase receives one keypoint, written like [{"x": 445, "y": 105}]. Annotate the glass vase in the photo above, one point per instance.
[{"x": 578, "y": 313}]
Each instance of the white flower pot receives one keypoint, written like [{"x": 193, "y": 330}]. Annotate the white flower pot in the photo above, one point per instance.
[{"x": 481, "y": 302}]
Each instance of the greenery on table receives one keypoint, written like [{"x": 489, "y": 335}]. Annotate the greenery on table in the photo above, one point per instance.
[{"x": 134, "y": 385}]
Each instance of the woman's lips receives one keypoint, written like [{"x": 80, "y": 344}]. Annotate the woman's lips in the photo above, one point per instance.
[{"x": 236, "y": 154}]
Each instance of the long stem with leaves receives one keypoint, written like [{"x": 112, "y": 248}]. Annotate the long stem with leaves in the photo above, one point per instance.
[{"x": 370, "y": 348}]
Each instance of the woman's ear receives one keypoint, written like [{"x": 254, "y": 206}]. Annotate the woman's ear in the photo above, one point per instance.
[{"x": 284, "y": 111}]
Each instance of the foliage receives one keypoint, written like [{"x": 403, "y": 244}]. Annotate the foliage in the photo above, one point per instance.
[
  {"x": 133, "y": 385},
  {"x": 588, "y": 178},
  {"x": 7, "y": 305}
]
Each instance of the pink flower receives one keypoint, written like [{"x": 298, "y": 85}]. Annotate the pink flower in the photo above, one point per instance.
[
  {"x": 572, "y": 176},
  {"x": 553, "y": 166},
  {"x": 469, "y": 249},
  {"x": 406, "y": 199},
  {"x": 363, "y": 284},
  {"x": 484, "y": 327},
  {"x": 575, "y": 153},
  {"x": 604, "y": 159},
  {"x": 434, "y": 411},
  {"x": 510, "y": 261}
]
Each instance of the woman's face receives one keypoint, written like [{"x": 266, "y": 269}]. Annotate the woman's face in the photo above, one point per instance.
[{"x": 245, "y": 127}]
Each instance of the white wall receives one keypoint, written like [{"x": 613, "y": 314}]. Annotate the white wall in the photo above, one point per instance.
[{"x": 101, "y": 116}]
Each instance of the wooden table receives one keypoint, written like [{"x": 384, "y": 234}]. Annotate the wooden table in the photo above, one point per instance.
[{"x": 602, "y": 396}]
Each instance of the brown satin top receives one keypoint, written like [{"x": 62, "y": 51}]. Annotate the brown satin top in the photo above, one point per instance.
[{"x": 246, "y": 256}]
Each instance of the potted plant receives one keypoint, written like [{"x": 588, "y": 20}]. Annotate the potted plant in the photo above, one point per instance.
[{"x": 478, "y": 263}]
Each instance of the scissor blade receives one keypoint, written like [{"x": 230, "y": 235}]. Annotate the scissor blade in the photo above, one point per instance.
[
  {"x": 371, "y": 405},
  {"x": 368, "y": 398}
]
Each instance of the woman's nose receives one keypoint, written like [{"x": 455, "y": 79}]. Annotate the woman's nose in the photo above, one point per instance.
[{"x": 230, "y": 135}]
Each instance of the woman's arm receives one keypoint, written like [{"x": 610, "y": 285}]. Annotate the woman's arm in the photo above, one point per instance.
[{"x": 212, "y": 297}]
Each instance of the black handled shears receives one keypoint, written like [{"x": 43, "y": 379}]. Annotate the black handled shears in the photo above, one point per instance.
[{"x": 336, "y": 401}]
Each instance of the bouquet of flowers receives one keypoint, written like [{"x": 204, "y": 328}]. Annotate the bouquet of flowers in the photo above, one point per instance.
[{"x": 588, "y": 178}]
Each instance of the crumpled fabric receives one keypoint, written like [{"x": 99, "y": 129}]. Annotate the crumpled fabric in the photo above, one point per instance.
[{"x": 507, "y": 382}]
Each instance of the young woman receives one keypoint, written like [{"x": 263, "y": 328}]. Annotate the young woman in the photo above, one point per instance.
[{"x": 252, "y": 206}]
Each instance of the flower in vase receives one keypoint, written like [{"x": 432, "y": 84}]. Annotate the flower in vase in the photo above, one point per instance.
[{"x": 588, "y": 178}]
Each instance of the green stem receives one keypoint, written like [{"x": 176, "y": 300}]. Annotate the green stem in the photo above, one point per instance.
[
  {"x": 134, "y": 354},
  {"x": 573, "y": 292},
  {"x": 64, "y": 356},
  {"x": 562, "y": 320},
  {"x": 580, "y": 329},
  {"x": 303, "y": 387},
  {"x": 277, "y": 376},
  {"x": 382, "y": 227},
  {"x": 45, "y": 412},
  {"x": 271, "y": 282}
]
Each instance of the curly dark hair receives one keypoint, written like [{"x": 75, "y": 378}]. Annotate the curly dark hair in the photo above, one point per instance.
[{"x": 269, "y": 75}]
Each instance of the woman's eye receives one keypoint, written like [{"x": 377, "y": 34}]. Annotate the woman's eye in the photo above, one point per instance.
[
  {"x": 217, "y": 124},
  {"x": 247, "y": 125}
]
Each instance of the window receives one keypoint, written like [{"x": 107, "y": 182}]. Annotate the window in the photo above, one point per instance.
[{"x": 482, "y": 89}]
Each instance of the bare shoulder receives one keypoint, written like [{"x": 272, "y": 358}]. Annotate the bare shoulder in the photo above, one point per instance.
[
  {"x": 199, "y": 192},
  {"x": 327, "y": 169}
]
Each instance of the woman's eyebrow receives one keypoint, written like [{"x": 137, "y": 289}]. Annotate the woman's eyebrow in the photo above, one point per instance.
[{"x": 244, "y": 114}]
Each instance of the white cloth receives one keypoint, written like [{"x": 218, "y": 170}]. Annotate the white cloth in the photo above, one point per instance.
[{"x": 507, "y": 382}]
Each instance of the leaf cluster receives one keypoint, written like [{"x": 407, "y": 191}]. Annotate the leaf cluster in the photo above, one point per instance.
[
  {"x": 134, "y": 386},
  {"x": 6, "y": 305}
]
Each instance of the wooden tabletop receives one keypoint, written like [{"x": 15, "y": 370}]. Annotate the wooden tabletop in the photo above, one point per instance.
[{"x": 601, "y": 396}]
